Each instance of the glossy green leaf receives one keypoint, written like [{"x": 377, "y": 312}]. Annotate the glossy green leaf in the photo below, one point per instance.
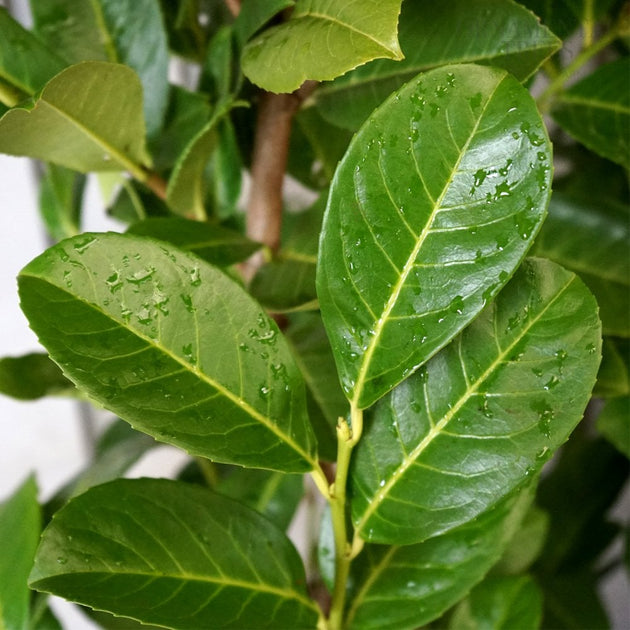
[
  {"x": 32, "y": 376},
  {"x": 19, "y": 533},
  {"x": 255, "y": 14},
  {"x": 500, "y": 603},
  {"x": 614, "y": 423},
  {"x": 596, "y": 111},
  {"x": 173, "y": 346},
  {"x": 432, "y": 208},
  {"x": 321, "y": 41},
  {"x": 433, "y": 34},
  {"x": 216, "y": 244},
  {"x": 60, "y": 200},
  {"x": 282, "y": 286},
  {"x": 186, "y": 187},
  {"x": 25, "y": 62},
  {"x": 483, "y": 415},
  {"x": 273, "y": 494},
  {"x": 406, "y": 587},
  {"x": 526, "y": 544},
  {"x": 592, "y": 238},
  {"x": 326, "y": 401},
  {"x": 120, "y": 31},
  {"x": 215, "y": 562},
  {"x": 87, "y": 118},
  {"x": 613, "y": 378}
]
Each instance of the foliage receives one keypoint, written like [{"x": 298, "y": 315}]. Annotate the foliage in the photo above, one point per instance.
[{"x": 389, "y": 351}]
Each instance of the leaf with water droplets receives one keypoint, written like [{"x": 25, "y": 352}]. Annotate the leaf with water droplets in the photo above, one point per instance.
[
  {"x": 432, "y": 208},
  {"x": 321, "y": 41},
  {"x": 433, "y": 34},
  {"x": 173, "y": 346},
  {"x": 87, "y": 118},
  {"x": 216, "y": 562},
  {"x": 483, "y": 415}
]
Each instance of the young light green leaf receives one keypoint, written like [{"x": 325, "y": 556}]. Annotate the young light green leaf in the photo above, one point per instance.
[
  {"x": 173, "y": 346},
  {"x": 432, "y": 208},
  {"x": 120, "y": 31},
  {"x": 406, "y": 587},
  {"x": 596, "y": 111},
  {"x": 500, "y": 603},
  {"x": 182, "y": 557},
  {"x": 614, "y": 423},
  {"x": 32, "y": 376},
  {"x": 433, "y": 34},
  {"x": 217, "y": 245},
  {"x": 87, "y": 118},
  {"x": 483, "y": 415},
  {"x": 25, "y": 62},
  {"x": 592, "y": 238},
  {"x": 19, "y": 533},
  {"x": 60, "y": 199},
  {"x": 321, "y": 41},
  {"x": 186, "y": 187}
]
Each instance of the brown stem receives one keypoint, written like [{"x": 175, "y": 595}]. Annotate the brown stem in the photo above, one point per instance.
[
  {"x": 234, "y": 6},
  {"x": 156, "y": 184},
  {"x": 269, "y": 160}
]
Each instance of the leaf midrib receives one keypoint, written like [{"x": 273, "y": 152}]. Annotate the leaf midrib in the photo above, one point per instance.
[
  {"x": 393, "y": 299},
  {"x": 436, "y": 430},
  {"x": 238, "y": 401}
]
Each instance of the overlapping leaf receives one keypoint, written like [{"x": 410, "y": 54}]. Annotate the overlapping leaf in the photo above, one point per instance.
[
  {"x": 406, "y": 587},
  {"x": 483, "y": 415},
  {"x": 120, "y": 31},
  {"x": 614, "y": 423},
  {"x": 596, "y": 111},
  {"x": 60, "y": 199},
  {"x": 87, "y": 118},
  {"x": 19, "y": 532},
  {"x": 432, "y": 208},
  {"x": 171, "y": 345},
  {"x": 174, "y": 555},
  {"x": 592, "y": 238},
  {"x": 498, "y": 33},
  {"x": 32, "y": 376},
  {"x": 321, "y": 41}
]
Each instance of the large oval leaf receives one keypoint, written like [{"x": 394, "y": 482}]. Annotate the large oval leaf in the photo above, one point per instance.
[
  {"x": 432, "y": 208},
  {"x": 88, "y": 118},
  {"x": 175, "y": 555},
  {"x": 499, "y": 33},
  {"x": 173, "y": 346},
  {"x": 321, "y": 41},
  {"x": 406, "y": 587},
  {"x": 483, "y": 415}
]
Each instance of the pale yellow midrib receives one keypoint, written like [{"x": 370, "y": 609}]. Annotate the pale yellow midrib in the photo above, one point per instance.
[
  {"x": 393, "y": 298},
  {"x": 407, "y": 461}
]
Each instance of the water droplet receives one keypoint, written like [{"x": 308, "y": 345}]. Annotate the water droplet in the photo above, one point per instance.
[
  {"x": 381, "y": 483},
  {"x": 187, "y": 350},
  {"x": 561, "y": 357},
  {"x": 480, "y": 177},
  {"x": 141, "y": 276},
  {"x": 195, "y": 277},
  {"x": 67, "y": 276},
  {"x": 551, "y": 383},
  {"x": 508, "y": 165},
  {"x": 63, "y": 255},
  {"x": 264, "y": 392},
  {"x": 188, "y": 303},
  {"x": 457, "y": 305},
  {"x": 502, "y": 190},
  {"x": 81, "y": 245},
  {"x": 423, "y": 374},
  {"x": 591, "y": 348},
  {"x": 537, "y": 371},
  {"x": 114, "y": 282},
  {"x": 62, "y": 560}
]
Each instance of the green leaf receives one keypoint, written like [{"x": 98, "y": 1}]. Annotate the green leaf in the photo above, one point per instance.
[
  {"x": 60, "y": 199},
  {"x": 19, "y": 533},
  {"x": 500, "y": 603},
  {"x": 596, "y": 111},
  {"x": 432, "y": 208},
  {"x": 282, "y": 286},
  {"x": 406, "y": 587},
  {"x": 32, "y": 376},
  {"x": 173, "y": 346},
  {"x": 87, "y": 118},
  {"x": 614, "y": 423},
  {"x": 273, "y": 494},
  {"x": 215, "y": 244},
  {"x": 592, "y": 239},
  {"x": 321, "y": 41},
  {"x": 186, "y": 187},
  {"x": 433, "y": 34},
  {"x": 227, "y": 170},
  {"x": 255, "y": 14},
  {"x": 526, "y": 544},
  {"x": 613, "y": 378},
  {"x": 217, "y": 564},
  {"x": 135, "y": 202},
  {"x": 130, "y": 32},
  {"x": 25, "y": 63},
  {"x": 483, "y": 415},
  {"x": 326, "y": 401}
]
